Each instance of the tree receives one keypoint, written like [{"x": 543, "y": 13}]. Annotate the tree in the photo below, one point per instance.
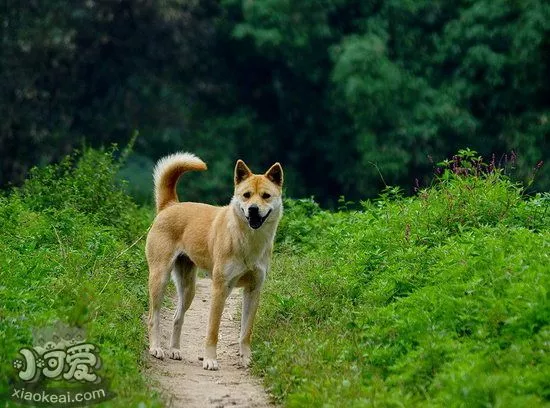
[{"x": 97, "y": 70}]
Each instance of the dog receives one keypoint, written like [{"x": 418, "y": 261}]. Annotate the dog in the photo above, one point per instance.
[{"x": 233, "y": 244}]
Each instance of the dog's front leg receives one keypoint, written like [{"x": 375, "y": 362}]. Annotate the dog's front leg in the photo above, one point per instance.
[
  {"x": 251, "y": 300},
  {"x": 220, "y": 291}
]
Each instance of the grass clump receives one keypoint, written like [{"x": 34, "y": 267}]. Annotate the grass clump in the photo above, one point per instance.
[
  {"x": 70, "y": 251},
  {"x": 436, "y": 300}
]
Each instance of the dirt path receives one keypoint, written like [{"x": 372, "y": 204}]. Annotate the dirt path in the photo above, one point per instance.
[{"x": 185, "y": 383}]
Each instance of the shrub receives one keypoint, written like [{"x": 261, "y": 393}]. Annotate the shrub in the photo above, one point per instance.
[
  {"x": 434, "y": 300},
  {"x": 71, "y": 250}
]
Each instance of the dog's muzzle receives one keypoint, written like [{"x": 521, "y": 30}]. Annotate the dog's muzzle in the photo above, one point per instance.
[{"x": 255, "y": 220}]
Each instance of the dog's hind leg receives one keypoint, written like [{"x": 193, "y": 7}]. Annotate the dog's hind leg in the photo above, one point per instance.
[
  {"x": 184, "y": 276},
  {"x": 159, "y": 272}
]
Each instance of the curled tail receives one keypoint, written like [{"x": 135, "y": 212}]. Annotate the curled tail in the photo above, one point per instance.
[{"x": 166, "y": 175}]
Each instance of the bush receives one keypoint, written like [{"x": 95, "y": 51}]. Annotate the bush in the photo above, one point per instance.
[
  {"x": 435, "y": 300},
  {"x": 86, "y": 183},
  {"x": 71, "y": 250}
]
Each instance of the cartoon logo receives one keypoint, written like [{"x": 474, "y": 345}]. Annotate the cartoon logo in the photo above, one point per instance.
[{"x": 59, "y": 354}]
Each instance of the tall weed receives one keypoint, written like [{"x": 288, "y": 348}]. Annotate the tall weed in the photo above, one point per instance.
[
  {"x": 70, "y": 250},
  {"x": 434, "y": 300}
]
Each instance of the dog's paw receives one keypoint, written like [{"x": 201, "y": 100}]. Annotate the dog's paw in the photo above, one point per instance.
[
  {"x": 245, "y": 361},
  {"x": 157, "y": 352},
  {"x": 246, "y": 356},
  {"x": 210, "y": 364},
  {"x": 174, "y": 354}
]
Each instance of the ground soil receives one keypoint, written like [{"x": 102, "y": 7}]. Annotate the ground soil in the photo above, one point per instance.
[{"x": 185, "y": 383}]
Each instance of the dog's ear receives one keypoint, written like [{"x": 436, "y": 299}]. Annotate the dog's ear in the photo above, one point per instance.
[
  {"x": 275, "y": 174},
  {"x": 242, "y": 172}
]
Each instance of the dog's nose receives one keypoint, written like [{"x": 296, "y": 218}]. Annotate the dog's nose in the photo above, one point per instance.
[{"x": 253, "y": 210}]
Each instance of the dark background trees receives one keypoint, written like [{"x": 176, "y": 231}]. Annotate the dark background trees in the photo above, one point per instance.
[{"x": 337, "y": 91}]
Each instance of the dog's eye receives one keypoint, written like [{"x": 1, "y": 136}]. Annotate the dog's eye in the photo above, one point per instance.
[
  {"x": 247, "y": 194},
  {"x": 265, "y": 196}
]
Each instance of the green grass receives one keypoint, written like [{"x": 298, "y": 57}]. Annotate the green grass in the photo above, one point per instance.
[
  {"x": 66, "y": 254},
  {"x": 437, "y": 300}
]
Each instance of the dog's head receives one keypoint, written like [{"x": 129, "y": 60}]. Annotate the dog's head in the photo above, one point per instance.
[{"x": 258, "y": 197}]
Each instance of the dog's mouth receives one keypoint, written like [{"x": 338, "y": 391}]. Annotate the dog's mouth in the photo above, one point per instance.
[{"x": 255, "y": 220}]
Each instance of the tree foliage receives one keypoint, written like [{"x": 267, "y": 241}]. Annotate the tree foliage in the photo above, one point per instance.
[
  {"x": 339, "y": 91},
  {"x": 96, "y": 70}
]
